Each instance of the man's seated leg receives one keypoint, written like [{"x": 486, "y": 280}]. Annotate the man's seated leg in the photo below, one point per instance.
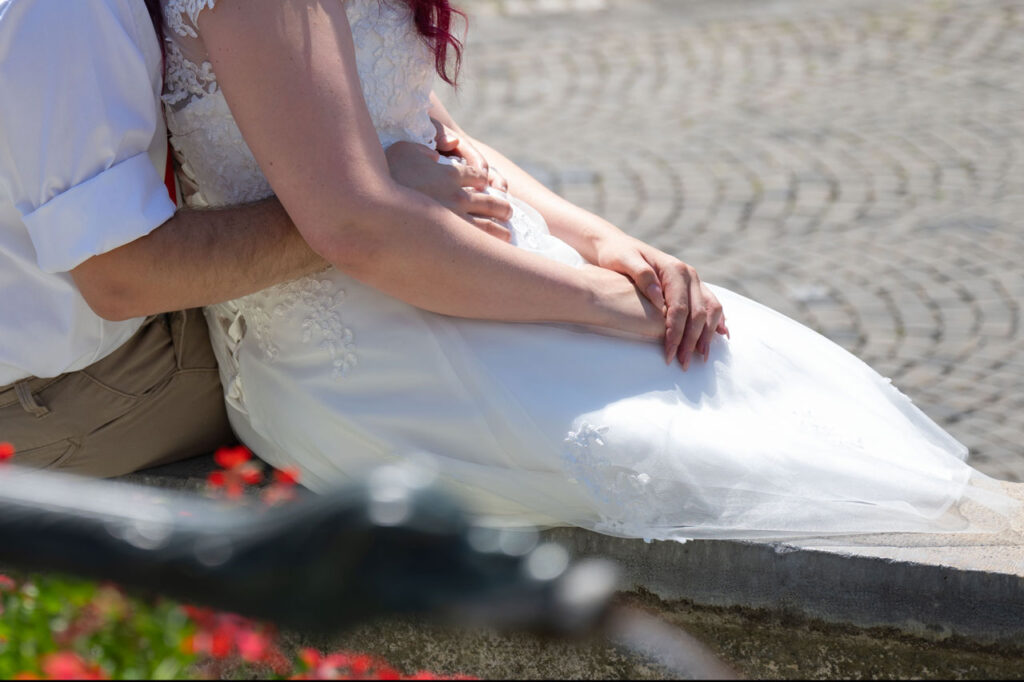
[{"x": 155, "y": 400}]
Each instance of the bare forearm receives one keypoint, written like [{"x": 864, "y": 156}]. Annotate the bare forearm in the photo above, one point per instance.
[
  {"x": 578, "y": 227},
  {"x": 417, "y": 251},
  {"x": 197, "y": 258}
]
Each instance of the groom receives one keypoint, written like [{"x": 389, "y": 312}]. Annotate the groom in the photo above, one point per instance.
[{"x": 105, "y": 363}]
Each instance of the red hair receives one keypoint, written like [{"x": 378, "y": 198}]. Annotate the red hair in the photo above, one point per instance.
[{"x": 433, "y": 21}]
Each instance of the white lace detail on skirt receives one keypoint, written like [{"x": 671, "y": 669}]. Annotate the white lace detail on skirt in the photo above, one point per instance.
[
  {"x": 620, "y": 494},
  {"x": 806, "y": 421},
  {"x": 320, "y": 301}
]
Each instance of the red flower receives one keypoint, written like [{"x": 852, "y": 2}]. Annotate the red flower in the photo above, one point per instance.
[
  {"x": 249, "y": 473},
  {"x": 311, "y": 657},
  {"x": 223, "y": 635},
  {"x": 252, "y": 646},
  {"x": 238, "y": 471},
  {"x": 231, "y": 457},
  {"x": 359, "y": 664},
  {"x": 277, "y": 494},
  {"x": 345, "y": 666},
  {"x": 287, "y": 476},
  {"x": 6, "y": 451},
  {"x": 7, "y": 583},
  {"x": 65, "y": 665},
  {"x": 222, "y": 642},
  {"x": 277, "y": 661},
  {"x": 198, "y": 614},
  {"x": 386, "y": 673},
  {"x": 218, "y": 643},
  {"x": 283, "y": 488}
]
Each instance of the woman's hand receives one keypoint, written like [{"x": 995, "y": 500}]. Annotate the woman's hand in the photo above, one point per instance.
[
  {"x": 457, "y": 187},
  {"x": 624, "y": 308},
  {"x": 452, "y": 143},
  {"x": 692, "y": 314}
]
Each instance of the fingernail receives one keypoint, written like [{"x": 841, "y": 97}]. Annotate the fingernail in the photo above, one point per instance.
[{"x": 686, "y": 361}]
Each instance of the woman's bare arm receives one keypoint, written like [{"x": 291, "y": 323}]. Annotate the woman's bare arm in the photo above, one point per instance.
[
  {"x": 692, "y": 313},
  {"x": 287, "y": 69}
]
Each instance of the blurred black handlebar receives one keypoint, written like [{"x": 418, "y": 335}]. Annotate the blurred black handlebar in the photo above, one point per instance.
[{"x": 322, "y": 563}]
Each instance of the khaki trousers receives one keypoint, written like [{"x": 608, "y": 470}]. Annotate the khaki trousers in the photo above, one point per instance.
[{"x": 154, "y": 400}]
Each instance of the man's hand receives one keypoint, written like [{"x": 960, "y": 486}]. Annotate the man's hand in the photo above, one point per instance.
[{"x": 460, "y": 187}]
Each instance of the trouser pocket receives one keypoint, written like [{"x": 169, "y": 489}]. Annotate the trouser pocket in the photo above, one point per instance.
[
  {"x": 46, "y": 419},
  {"x": 155, "y": 399}
]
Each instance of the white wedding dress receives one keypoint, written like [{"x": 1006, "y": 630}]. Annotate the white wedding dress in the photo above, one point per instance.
[{"x": 781, "y": 433}]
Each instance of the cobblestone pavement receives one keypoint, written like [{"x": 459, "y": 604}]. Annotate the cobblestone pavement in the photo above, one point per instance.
[{"x": 857, "y": 165}]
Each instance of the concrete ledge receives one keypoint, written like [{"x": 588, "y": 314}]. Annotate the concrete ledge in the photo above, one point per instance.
[
  {"x": 935, "y": 586},
  {"x": 932, "y": 586}
]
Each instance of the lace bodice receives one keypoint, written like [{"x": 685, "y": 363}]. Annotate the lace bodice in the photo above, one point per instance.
[{"x": 395, "y": 68}]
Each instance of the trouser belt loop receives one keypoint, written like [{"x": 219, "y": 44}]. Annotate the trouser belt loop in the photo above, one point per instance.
[
  {"x": 181, "y": 342},
  {"x": 177, "y": 322},
  {"x": 28, "y": 401}
]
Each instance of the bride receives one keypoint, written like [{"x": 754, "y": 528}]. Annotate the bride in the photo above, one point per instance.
[{"x": 573, "y": 376}]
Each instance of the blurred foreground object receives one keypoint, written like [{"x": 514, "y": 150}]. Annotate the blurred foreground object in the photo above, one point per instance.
[{"x": 321, "y": 563}]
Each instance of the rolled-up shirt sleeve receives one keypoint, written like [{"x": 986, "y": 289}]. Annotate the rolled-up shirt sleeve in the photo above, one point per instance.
[{"x": 77, "y": 123}]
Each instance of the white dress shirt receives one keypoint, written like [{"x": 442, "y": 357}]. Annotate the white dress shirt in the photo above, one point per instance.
[{"x": 82, "y": 137}]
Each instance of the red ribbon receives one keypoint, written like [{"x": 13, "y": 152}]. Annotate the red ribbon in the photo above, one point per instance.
[{"x": 172, "y": 187}]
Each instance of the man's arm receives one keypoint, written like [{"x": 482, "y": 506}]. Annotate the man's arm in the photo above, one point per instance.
[
  {"x": 77, "y": 166},
  {"x": 197, "y": 258},
  {"x": 201, "y": 257}
]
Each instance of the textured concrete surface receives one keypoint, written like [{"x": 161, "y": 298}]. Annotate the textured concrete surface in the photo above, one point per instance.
[
  {"x": 856, "y": 164},
  {"x": 757, "y": 644},
  {"x": 913, "y": 594}
]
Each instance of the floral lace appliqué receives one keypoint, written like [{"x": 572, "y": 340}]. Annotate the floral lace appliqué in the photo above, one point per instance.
[
  {"x": 176, "y": 12},
  {"x": 808, "y": 422},
  {"x": 184, "y": 78},
  {"x": 621, "y": 495},
  {"x": 586, "y": 436},
  {"x": 320, "y": 302}
]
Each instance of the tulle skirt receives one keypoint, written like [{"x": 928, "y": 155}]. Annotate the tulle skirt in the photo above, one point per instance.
[{"x": 781, "y": 433}]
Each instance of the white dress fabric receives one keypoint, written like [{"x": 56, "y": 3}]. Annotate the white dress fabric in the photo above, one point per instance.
[{"x": 781, "y": 433}]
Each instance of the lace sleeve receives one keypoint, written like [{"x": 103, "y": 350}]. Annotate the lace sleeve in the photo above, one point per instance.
[
  {"x": 188, "y": 74},
  {"x": 182, "y": 16}
]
